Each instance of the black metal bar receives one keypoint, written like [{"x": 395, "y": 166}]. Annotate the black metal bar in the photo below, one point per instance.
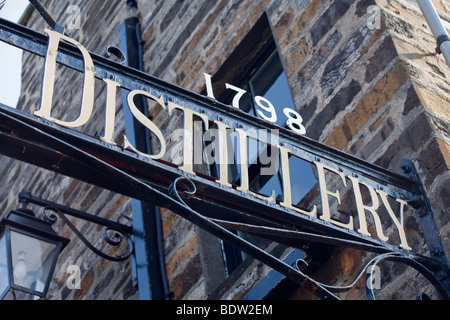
[
  {"x": 145, "y": 192},
  {"x": 25, "y": 196},
  {"x": 425, "y": 218},
  {"x": 111, "y": 161},
  {"x": 46, "y": 16}
]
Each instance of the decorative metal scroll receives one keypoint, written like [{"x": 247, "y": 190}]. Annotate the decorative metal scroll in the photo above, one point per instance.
[
  {"x": 403, "y": 257},
  {"x": 116, "y": 239},
  {"x": 114, "y": 233},
  {"x": 114, "y": 51},
  {"x": 119, "y": 170}
]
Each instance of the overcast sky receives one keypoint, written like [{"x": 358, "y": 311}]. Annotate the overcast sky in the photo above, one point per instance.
[{"x": 10, "y": 57}]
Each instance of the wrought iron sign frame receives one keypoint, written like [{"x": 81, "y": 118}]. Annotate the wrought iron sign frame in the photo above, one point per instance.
[{"x": 44, "y": 143}]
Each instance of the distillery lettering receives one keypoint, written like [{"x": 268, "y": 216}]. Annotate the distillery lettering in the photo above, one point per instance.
[{"x": 371, "y": 204}]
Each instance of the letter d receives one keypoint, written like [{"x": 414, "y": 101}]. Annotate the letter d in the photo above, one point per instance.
[{"x": 48, "y": 84}]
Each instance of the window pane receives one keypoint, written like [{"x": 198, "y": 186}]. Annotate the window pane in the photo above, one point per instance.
[
  {"x": 280, "y": 97},
  {"x": 32, "y": 259},
  {"x": 264, "y": 170},
  {"x": 271, "y": 83},
  {"x": 4, "y": 277},
  {"x": 303, "y": 178}
]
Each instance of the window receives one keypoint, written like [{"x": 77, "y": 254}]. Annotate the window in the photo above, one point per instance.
[
  {"x": 255, "y": 66},
  {"x": 268, "y": 81}
]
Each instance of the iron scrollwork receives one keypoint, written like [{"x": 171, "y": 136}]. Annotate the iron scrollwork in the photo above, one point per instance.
[
  {"x": 404, "y": 257},
  {"x": 116, "y": 52},
  {"x": 116, "y": 239},
  {"x": 369, "y": 270}
]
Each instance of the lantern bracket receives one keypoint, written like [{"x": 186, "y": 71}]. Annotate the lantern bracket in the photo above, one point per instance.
[{"x": 114, "y": 232}]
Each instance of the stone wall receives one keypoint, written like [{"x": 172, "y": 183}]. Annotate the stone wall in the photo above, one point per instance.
[{"x": 373, "y": 90}]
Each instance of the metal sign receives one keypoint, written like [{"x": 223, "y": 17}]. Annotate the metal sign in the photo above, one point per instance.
[{"x": 215, "y": 204}]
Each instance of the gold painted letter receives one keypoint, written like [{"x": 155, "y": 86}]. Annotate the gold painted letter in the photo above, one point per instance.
[
  {"x": 243, "y": 161},
  {"x": 110, "y": 110},
  {"x": 326, "y": 215},
  {"x": 361, "y": 208},
  {"x": 48, "y": 84},
  {"x": 287, "y": 193},
  {"x": 222, "y": 145},
  {"x": 398, "y": 222},
  {"x": 146, "y": 122},
  {"x": 188, "y": 138}
]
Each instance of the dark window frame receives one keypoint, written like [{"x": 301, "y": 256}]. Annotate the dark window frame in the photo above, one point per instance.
[{"x": 252, "y": 54}]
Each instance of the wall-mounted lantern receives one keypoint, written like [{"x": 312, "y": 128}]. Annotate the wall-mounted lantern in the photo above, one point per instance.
[
  {"x": 29, "y": 250},
  {"x": 29, "y": 247}
]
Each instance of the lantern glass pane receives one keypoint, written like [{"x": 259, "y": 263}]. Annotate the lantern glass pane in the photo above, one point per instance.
[
  {"x": 32, "y": 260},
  {"x": 4, "y": 277}
]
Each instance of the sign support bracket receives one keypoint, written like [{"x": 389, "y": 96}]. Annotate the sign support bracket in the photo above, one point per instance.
[{"x": 425, "y": 218}]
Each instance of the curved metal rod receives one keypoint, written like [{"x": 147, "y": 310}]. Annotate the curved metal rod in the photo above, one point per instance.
[
  {"x": 145, "y": 191},
  {"x": 114, "y": 242},
  {"x": 174, "y": 193},
  {"x": 411, "y": 262},
  {"x": 300, "y": 235},
  {"x": 113, "y": 50},
  {"x": 292, "y": 273},
  {"x": 393, "y": 256}
]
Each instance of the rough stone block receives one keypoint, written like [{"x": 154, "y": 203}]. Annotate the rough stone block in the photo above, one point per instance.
[
  {"x": 328, "y": 19},
  {"x": 339, "y": 102},
  {"x": 372, "y": 101}
]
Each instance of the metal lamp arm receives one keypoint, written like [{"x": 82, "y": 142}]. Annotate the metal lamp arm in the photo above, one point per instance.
[{"x": 120, "y": 230}]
